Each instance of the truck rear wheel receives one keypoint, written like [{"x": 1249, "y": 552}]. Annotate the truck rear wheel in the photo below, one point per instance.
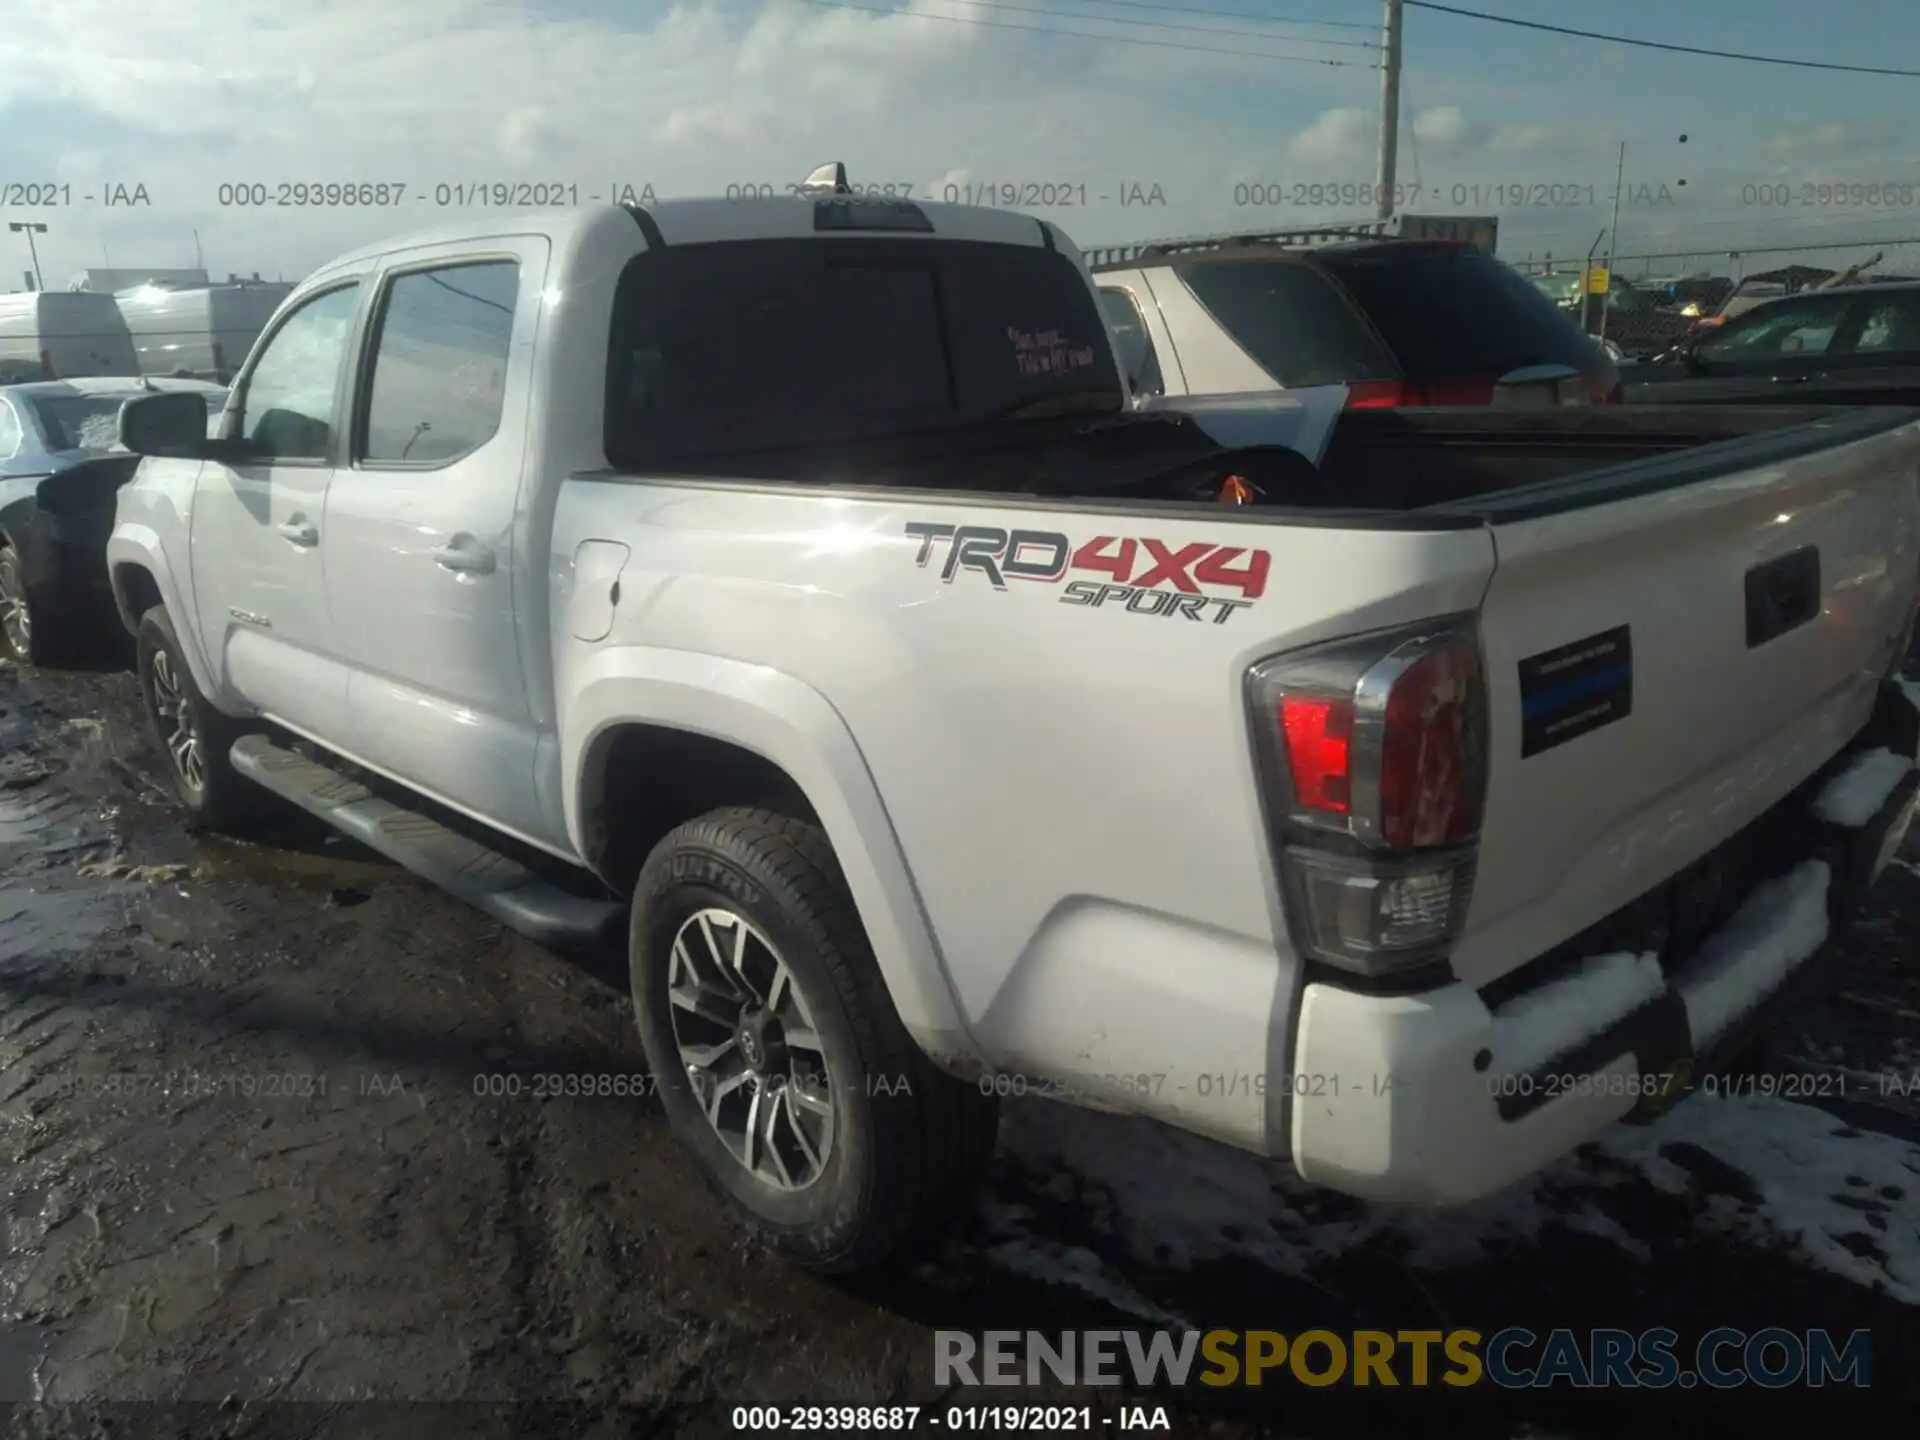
[
  {"x": 193, "y": 737},
  {"x": 779, "y": 1058}
]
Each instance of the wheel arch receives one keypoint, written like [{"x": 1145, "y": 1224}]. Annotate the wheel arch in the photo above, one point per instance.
[
  {"x": 141, "y": 578},
  {"x": 652, "y": 738}
]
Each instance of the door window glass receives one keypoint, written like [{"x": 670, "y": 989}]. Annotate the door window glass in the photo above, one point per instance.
[
  {"x": 440, "y": 363},
  {"x": 1785, "y": 329},
  {"x": 287, "y": 407}
]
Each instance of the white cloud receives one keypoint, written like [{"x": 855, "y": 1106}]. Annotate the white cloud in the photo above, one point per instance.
[
  {"x": 1343, "y": 136},
  {"x": 1444, "y": 128},
  {"x": 711, "y": 93},
  {"x": 1838, "y": 139},
  {"x": 688, "y": 101}
]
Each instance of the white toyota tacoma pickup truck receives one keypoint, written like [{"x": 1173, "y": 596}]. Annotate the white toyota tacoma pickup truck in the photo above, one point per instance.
[{"x": 788, "y": 589}]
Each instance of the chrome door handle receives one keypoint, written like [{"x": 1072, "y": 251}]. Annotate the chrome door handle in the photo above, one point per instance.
[
  {"x": 469, "y": 559},
  {"x": 300, "y": 534}
]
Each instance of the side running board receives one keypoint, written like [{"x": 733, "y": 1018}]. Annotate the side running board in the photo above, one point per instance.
[{"x": 496, "y": 883}]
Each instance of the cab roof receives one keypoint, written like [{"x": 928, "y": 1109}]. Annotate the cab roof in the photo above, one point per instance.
[{"x": 705, "y": 221}]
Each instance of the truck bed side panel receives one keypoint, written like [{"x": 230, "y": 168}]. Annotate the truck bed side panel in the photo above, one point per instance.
[{"x": 1071, "y": 784}]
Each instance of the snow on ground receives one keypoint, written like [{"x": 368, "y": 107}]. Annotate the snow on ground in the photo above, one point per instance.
[
  {"x": 1835, "y": 1198},
  {"x": 1782, "y": 923},
  {"x": 1855, "y": 795}
]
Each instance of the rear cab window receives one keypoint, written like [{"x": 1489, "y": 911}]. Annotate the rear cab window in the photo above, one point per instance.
[
  {"x": 765, "y": 344},
  {"x": 1456, "y": 312},
  {"x": 1289, "y": 319}
]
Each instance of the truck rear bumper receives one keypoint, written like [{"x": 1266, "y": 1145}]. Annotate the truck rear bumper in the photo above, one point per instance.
[{"x": 1449, "y": 1095}]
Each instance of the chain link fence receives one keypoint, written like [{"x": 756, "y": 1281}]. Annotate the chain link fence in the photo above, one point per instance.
[{"x": 1647, "y": 302}]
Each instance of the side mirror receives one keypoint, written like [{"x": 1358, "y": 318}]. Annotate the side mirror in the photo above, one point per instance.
[{"x": 172, "y": 424}]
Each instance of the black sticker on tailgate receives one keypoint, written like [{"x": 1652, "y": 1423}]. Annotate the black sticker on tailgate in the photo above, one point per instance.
[{"x": 1566, "y": 693}]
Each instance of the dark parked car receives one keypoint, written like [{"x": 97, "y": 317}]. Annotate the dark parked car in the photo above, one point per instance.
[
  {"x": 61, "y": 466},
  {"x": 1851, "y": 345}
]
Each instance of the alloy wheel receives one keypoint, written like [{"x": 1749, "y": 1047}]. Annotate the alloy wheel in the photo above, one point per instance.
[
  {"x": 178, "y": 728},
  {"x": 16, "y": 620},
  {"x": 751, "y": 1051}
]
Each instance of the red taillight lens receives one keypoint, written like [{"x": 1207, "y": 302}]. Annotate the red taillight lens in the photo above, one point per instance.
[
  {"x": 1374, "y": 758},
  {"x": 46, "y": 365},
  {"x": 1319, "y": 741},
  {"x": 219, "y": 359},
  {"x": 1375, "y": 395},
  {"x": 1430, "y": 782}
]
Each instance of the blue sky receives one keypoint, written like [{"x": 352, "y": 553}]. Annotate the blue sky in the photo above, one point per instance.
[{"x": 185, "y": 98}]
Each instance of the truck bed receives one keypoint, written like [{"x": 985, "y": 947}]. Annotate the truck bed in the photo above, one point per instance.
[{"x": 1424, "y": 468}]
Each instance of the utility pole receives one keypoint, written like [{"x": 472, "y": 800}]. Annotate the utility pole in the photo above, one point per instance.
[
  {"x": 1613, "y": 237},
  {"x": 31, "y": 227},
  {"x": 1389, "y": 110}
]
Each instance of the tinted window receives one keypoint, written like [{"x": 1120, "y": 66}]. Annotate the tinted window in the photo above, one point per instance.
[
  {"x": 760, "y": 344},
  {"x": 1788, "y": 327},
  {"x": 1892, "y": 324},
  {"x": 1293, "y": 324},
  {"x": 1138, "y": 362},
  {"x": 287, "y": 406},
  {"x": 440, "y": 363},
  {"x": 1451, "y": 313}
]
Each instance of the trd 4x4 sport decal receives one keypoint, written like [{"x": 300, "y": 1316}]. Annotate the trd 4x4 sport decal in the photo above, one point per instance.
[{"x": 1144, "y": 576}]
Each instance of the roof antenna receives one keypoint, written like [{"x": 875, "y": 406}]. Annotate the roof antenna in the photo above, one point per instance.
[{"x": 828, "y": 179}]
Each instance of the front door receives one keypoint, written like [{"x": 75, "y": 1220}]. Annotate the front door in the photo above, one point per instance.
[
  {"x": 1764, "y": 354},
  {"x": 259, "y": 546},
  {"x": 425, "y": 566}
]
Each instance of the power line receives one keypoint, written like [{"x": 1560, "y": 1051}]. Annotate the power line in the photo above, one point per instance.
[
  {"x": 1158, "y": 24},
  {"x": 1660, "y": 44},
  {"x": 1239, "y": 15},
  {"x": 1083, "y": 35}
]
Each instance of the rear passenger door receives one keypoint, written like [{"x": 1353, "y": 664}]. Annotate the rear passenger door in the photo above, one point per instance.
[{"x": 423, "y": 569}]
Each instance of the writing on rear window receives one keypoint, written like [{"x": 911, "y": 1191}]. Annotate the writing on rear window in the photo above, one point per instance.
[
  {"x": 1144, "y": 576},
  {"x": 1047, "y": 352}
]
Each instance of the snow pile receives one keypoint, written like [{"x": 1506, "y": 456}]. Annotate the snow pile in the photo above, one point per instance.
[
  {"x": 1846, "y": 1200},
  {"x": 1782, "y": 923},
  {"x": 1838, "y": 1199},
  {"x": 1855, "y": 795},
  {"x": 1550, "y": 1020}
]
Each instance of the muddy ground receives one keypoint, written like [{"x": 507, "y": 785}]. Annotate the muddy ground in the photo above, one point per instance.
[{"x": 251, "y": 1181}]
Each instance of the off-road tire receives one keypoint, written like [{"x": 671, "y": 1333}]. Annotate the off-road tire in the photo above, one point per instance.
[
  {"x": 225, "y": 801},
  {"x": 909, "y": 1141},
  {"x": 49, "y": 641}
]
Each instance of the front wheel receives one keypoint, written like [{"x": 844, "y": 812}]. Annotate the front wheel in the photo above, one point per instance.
[
  {"x": 779, "y": 1058},
  {"x": 194, "y": 737},
  {"x": 27, "y": 633}
]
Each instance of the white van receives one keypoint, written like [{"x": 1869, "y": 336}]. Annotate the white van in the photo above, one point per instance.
[
  {"x": 61, "y": 335},
  {"x": 203, "y": 333}
]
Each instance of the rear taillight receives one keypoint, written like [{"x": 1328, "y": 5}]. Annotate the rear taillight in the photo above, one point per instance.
[
  {"x": 1391, "y": 394},
  {"x": 219, "y": 360},
  {"x": 1376, "y": 395},
  {"x": 1374, "y": 757},
  {"x": 46, "y": 365}
]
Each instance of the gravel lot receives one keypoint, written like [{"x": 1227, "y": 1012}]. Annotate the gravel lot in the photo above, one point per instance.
[{"x": 249, "y": 1168}]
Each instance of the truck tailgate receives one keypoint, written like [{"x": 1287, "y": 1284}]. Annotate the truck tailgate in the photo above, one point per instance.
[{"x": 1671, "y": 648}]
